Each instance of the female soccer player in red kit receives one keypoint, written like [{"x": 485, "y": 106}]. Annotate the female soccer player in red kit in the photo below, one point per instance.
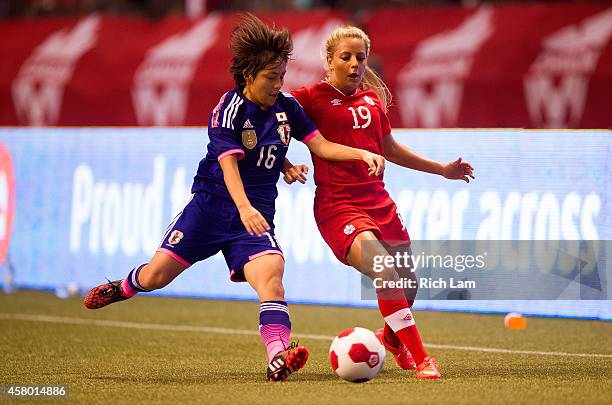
[{"x": 351, "y": 206}]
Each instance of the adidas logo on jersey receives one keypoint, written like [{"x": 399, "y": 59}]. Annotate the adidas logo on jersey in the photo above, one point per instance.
[
  {"x": 247, "y": 124},
  {"x": 336, "y": 101}
]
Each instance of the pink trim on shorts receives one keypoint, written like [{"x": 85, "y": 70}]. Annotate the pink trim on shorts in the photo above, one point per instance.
[
  {"x": 311, "y": 135},
  {"x": 231, "y": 152},
  {"x": 265, "y": 252},
  {"x": 174, "y": 256}
]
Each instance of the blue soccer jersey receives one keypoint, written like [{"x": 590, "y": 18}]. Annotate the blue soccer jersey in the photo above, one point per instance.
[{"x": 259, "y": 139}]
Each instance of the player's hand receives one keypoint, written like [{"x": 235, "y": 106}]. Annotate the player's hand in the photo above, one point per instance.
[
  {"x": 459, "y": 170},
  {"x": 253, "y": 221},
  {"x": 376, "y": 163},
  {"x": 296, "y": 173}
]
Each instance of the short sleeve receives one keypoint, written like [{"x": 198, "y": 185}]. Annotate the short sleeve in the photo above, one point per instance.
[
  {"x": 224, "y": 140},
  {"x": 304, "y": 129},
  {"x": 385, "y": 125},
  {"x": 223, "y": 143},
  {"x": 302, "y": 95}
]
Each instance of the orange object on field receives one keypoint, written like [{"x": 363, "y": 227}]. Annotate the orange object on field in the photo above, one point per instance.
[{"x": 515, "y": 320}]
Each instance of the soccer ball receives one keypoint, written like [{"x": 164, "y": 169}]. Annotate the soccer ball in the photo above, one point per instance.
[{"x": 356, "y": 355}]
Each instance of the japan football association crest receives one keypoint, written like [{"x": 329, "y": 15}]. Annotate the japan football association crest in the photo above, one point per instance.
[
  {"x": 249, "y": 138},
  {"x": 175, "y": 237},
  {"x": 284, "y": 130}
]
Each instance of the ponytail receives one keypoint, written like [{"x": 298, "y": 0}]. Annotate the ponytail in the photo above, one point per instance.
[{"x": 372, "y": 81}]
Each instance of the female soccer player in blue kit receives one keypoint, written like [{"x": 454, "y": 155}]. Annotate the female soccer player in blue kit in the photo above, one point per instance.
[{"x": 232, "y": 206}]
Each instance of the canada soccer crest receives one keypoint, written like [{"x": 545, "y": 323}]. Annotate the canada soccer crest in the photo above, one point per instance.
[{"x": 284, "y": 130}]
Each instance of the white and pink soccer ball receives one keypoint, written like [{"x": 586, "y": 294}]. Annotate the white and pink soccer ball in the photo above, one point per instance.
[{"x": 356, "y": 355}]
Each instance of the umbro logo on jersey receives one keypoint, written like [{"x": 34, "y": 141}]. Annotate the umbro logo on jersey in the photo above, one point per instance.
[
  {"x": 336, "y": 101},
  {"x": 247, "y": 124}
]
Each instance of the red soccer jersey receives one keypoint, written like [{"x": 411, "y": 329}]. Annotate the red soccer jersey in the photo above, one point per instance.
[{"x": 358, "y": 120}]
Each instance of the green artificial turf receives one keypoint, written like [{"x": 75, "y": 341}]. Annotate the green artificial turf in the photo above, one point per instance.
[{"x": 104, "y": 363}]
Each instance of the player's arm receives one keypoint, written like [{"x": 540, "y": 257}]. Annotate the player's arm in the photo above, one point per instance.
[
  {"x": 334, "y": 151},
  {"x": 293, "y": 172},
  {"x": 252, "y": 219},
  {"x": 401, "y": 155}
]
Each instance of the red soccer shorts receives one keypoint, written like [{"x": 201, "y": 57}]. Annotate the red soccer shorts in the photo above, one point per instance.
[{"x": 341, "y": 224}]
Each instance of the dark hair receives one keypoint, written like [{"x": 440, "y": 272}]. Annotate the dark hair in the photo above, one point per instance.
[{"x": 255, "y": 46}]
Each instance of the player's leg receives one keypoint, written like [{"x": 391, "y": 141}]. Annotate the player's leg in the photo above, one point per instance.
[
  {"x": 259, "y": 261},
  {"x": 391, "y": 301},
  {"x": 387, "y": 335},
  {"x": 394, "y": 237},
  {"x": 339, "y": 228},
  {"x": 186, "y": 240},
  {"x": 158, "y": 273},
  {"x": 265, "y": 275}
]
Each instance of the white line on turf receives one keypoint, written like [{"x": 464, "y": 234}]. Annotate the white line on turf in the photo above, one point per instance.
[{"x": 208, "y": 329}]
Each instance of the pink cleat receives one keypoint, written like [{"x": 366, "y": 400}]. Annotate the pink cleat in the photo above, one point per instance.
[
  {"x": 428, "y": 369},
  {"x": 402, "y": 355}
]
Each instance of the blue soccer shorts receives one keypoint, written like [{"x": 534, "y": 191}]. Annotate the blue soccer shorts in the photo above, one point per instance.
[{"x": 209, "y": 224}]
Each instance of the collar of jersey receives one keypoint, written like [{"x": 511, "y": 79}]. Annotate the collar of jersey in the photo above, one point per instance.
[
  {"x": 338, "y": 90},
  {"x": 252, "y": 104}
]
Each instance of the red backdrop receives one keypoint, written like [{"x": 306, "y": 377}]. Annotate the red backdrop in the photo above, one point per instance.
[{"x": 531, "y": 66}]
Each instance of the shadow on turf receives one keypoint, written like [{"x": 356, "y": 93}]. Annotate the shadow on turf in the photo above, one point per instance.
[{"x": 212, "y": 379}]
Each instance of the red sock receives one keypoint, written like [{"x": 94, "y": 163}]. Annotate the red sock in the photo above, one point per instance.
[
  {"x": 394, "y": 308},
  {"x": 412, "y": 339},
  {"x": 391, "y": 337}
]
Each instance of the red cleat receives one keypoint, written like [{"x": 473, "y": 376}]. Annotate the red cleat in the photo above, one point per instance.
[
  {"x": 402, "y": 355},
  {"x": 104, "y": 295},
  {"x": 287, "y": 362},
  {"x": 428, "y": 369}
]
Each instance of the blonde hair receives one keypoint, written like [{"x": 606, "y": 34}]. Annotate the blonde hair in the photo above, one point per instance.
[{"x": 371, "y": 80}]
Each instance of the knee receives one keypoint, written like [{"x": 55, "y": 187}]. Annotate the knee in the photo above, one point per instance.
[
  {"x": 390, "y": 275},
  {"x": 275, "y": 288},
  {"x": 270, "y": 289},
  {"x": 154, "y": 278},
  {"x": 386, "y": 274},
  {"x": 372, "y": 274}
]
